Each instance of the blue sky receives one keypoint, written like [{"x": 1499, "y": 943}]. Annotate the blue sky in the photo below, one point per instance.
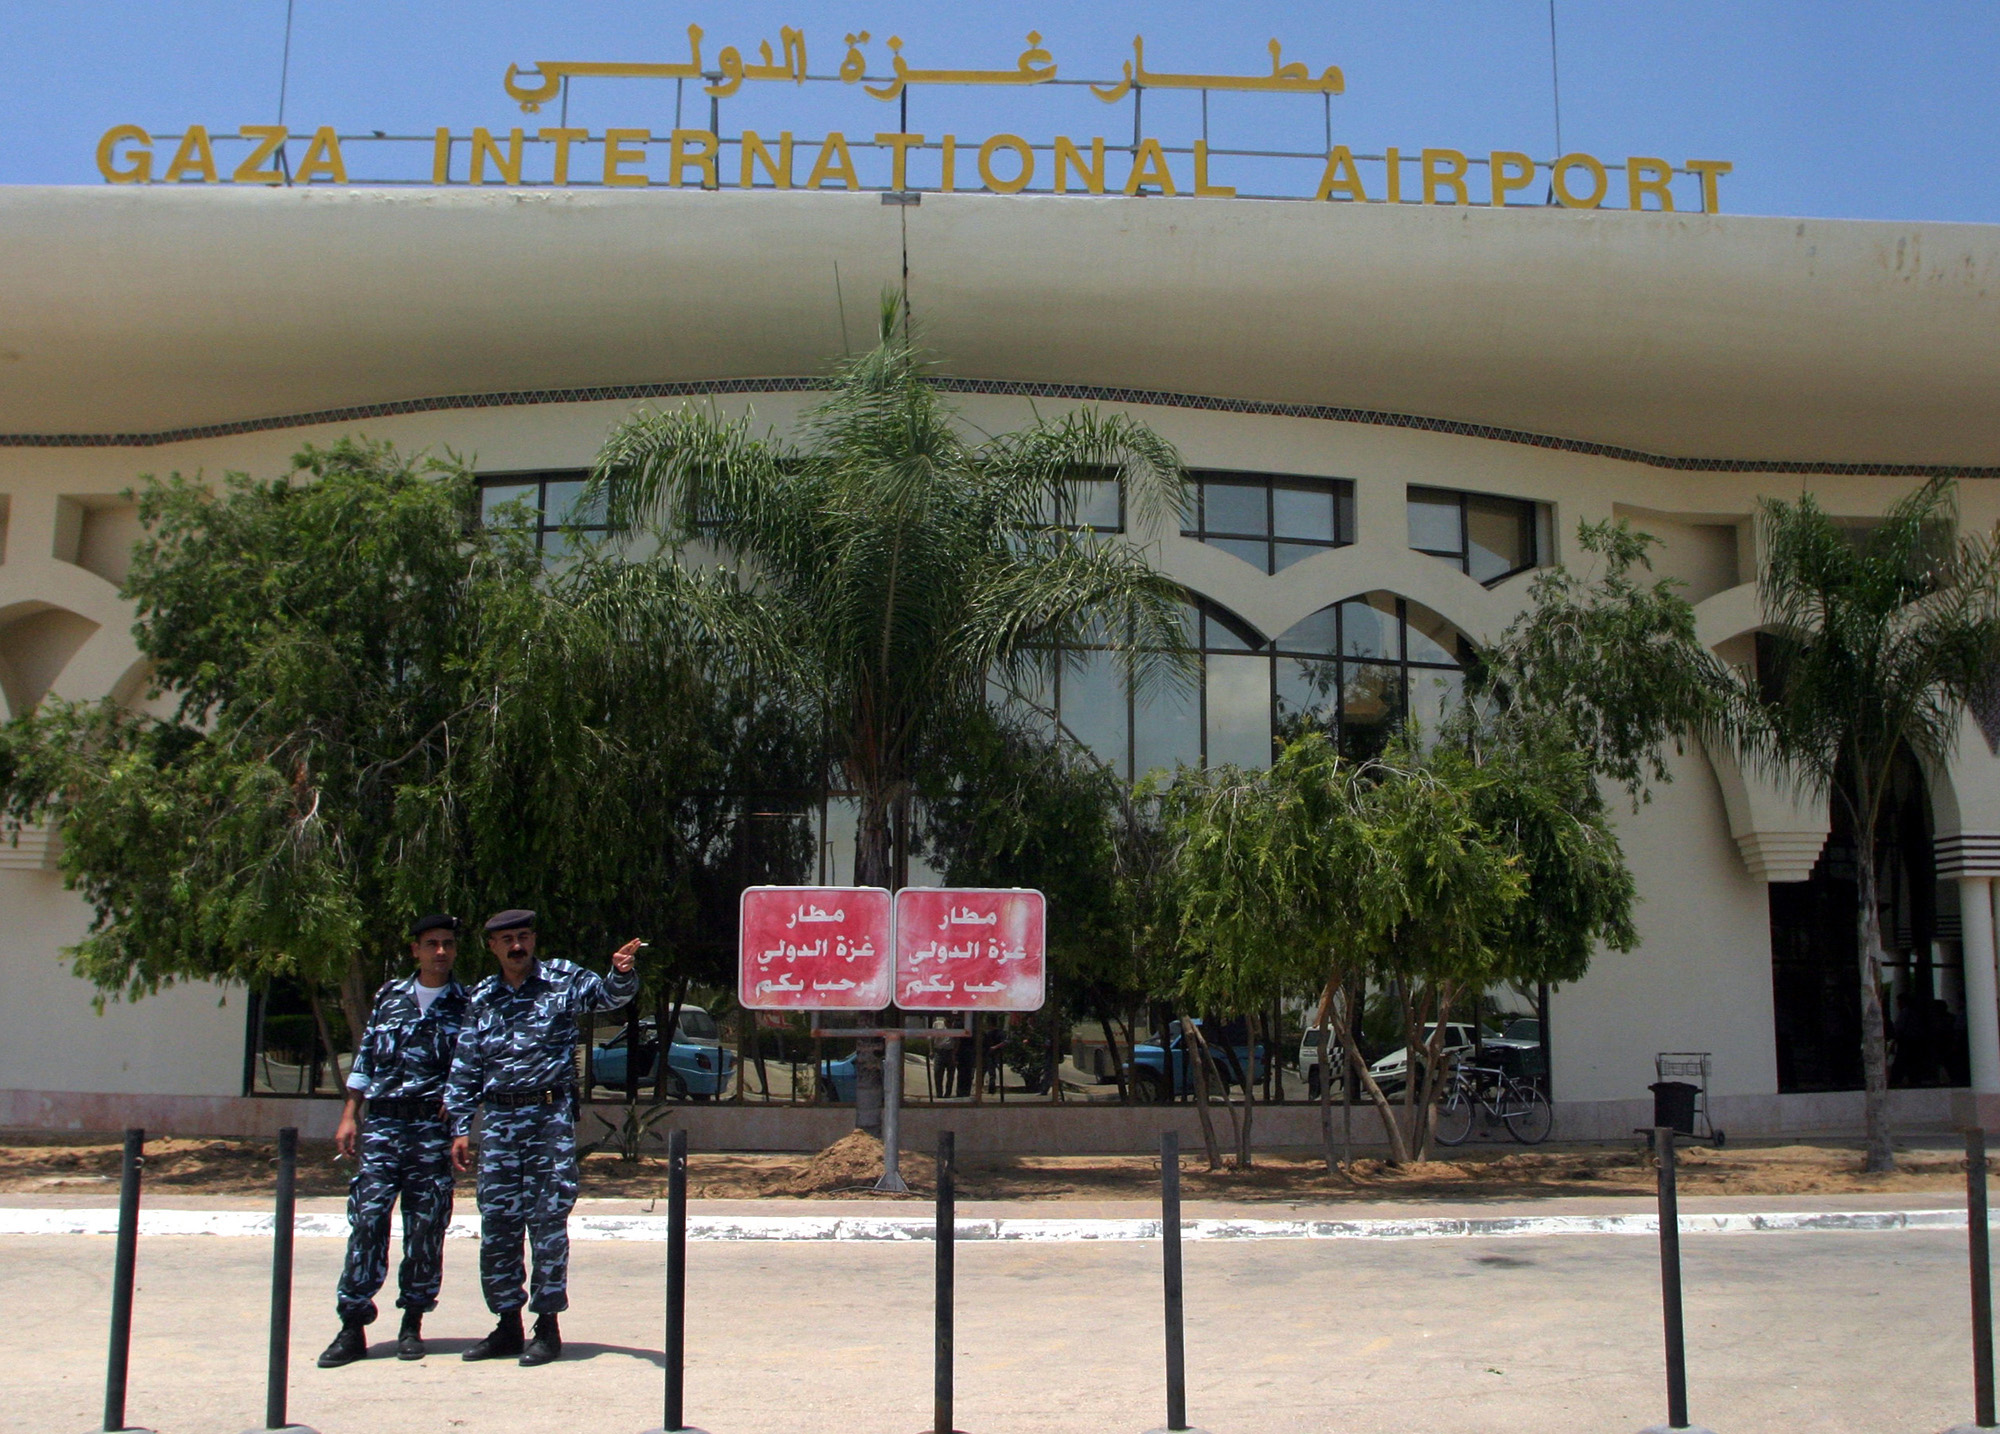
[{"x": 1848, "y": 110}]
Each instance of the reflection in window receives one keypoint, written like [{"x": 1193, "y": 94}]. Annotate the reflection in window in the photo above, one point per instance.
[
  {"x": 1271, "y": 520},
  {"x": 549, "y": 503},
  {"x": 1356, "y": 670},
  {"x": 1486, "y": 538}
]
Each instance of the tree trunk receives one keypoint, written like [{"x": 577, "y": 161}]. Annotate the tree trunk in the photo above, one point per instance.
[
  {"x": 874, "y": 865},
  {"x": 976, "y": 1021},
  {"x": 1198, "y": 1068},
  {"x": 357, "y": 1002},
  {"x": 1117, "y": 1059},
  {"x": 1399, "y": 1150},
  {"x": 1325, "y": 1077},
  {"x": 1874, "y": 1036}
]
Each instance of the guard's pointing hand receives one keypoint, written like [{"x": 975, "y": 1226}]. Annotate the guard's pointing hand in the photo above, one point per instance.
[{"x": 625, "y": 955}]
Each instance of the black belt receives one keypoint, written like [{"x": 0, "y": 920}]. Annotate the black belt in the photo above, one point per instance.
[
  {"x": 517, "y": 1099},
  {"x": 414, "y": 1107}
]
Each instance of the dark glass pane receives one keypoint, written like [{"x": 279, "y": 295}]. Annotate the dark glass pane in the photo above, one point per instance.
[
  {"x": 1097, "y": 504},
  {"x": 1344, "y": 513},
  {"x": 1239, "y": 711},
  {"x": 1434, "y": 692},
  {"x": 1306, "y": 697},
  {"x": 1434, "y": 521},
  {"x": 1166, "y": 727},
  {"x": 497, "y": 495},
  {"x": 1430, "y": 637},
  {"x": 1254, "y": 551},
  {"x": 1222, "y": 634},
  {"x": 560, "y": 506},
  {"x": 1093, "y": 705},
  {"x": 1316, "y": 635},
  {"x": 1234, "y": 508},
  {"x": 1369, "y": 627},
  {"x": 1500, "y": 535},
  {"x": 1303, "y": 513},
  {"x": 1283, "y": 555},
  {"x": 1371, "y": 705}
]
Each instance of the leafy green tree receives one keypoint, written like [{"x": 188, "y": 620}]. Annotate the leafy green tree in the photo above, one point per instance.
[
  {"x": 380, "y": 707},
  {"x": 893, "y": 564},
  {"x": 1880, "y": 637},
  {"x": 1616, "y": 657}
]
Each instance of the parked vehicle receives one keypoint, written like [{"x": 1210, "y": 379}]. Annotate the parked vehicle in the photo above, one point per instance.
[
  {"x": 1392, "y": 1072},
  {"x": 698, "y": 1068},
  {"x": 1165, "y": 1070},
  {"x": 1309, "y": 1057}
]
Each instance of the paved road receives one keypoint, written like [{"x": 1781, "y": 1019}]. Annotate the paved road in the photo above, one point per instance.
[{"x": 1861, "y": 1332}]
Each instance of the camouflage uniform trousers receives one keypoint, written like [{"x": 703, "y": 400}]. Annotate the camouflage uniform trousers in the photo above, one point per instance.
[
  {"x": 410, "y": 1158},
  {"x": 527, "y": 1185}
]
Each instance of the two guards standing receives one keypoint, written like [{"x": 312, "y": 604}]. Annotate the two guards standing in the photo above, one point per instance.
[{"x": 432, "y": 1056}]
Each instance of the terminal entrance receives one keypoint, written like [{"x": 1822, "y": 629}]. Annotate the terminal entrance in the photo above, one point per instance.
[{"x": 1815, "y": 957}]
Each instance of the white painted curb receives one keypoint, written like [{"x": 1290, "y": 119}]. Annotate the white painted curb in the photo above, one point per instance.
[{"x": 823, "y": 1228}]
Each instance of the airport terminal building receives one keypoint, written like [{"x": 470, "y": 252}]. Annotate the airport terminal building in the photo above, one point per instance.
[{"x": 1394, "y": 414}]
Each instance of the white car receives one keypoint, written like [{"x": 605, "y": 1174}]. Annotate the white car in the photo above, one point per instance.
[
  {"x": 1309, "y": 1058},
  {"x": 1392, "y": 1072}
]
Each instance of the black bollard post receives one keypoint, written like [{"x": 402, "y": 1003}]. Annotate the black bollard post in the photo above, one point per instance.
[
  {"x": 946, "y": 1235},
  {"x": 122, "y": 1273},
  {"x": 676, "y": 1351},
  {"x": 277, "y": 1379},
  {"x": 1978, "y": 1246},
  {"x": 1170, "y": 1259},
  {"x": 1670, "y": 1290}
]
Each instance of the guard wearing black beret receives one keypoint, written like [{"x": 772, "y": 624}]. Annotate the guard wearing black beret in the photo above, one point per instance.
[
  {"x": 517, "y": 1063},
  {"x": 400, "y": 1068}
]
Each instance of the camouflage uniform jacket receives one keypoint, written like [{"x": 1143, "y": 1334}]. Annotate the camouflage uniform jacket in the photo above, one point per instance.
[
  {"x": 406, "y": 1051},
  {"x": 524, "y": 1037}
]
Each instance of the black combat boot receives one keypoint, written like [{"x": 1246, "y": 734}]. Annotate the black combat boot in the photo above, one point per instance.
[
  {"x": 546, "y": 1346},
  {"x": 505, "y": 1339},
  {"x": 349, "y": 1345},
  {"x": 410, "y": 1338}
]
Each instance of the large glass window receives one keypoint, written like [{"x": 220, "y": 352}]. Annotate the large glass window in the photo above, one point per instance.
[
  {"x": 550, "y": 503},
  {"x": 1487, "y": 538},
  {"x": 1271, "y": 520},
  {"x": 1356, "y": 670}
]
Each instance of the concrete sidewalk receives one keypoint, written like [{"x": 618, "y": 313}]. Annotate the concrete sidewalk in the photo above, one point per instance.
[{"x": 1851, "y": 1332}]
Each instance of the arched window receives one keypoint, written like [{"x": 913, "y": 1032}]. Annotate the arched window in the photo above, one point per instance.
[{"x": 1355, "y": 669}]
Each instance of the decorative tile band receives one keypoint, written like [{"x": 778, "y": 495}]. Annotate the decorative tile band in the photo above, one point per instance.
[{"x": 1085, "y": 393}]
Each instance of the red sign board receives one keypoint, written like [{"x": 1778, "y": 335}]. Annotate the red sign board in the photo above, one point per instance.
[
  {"x": 814, "y": 948},
  {"x": 970, "y": 949}
]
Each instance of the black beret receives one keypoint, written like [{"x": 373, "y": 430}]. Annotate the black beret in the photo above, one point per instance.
[
  {"x": 512, "y": 919},
  {"x": 436, "y": 921}
]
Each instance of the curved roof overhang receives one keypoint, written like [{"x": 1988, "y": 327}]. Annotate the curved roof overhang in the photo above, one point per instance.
[{"x": 127, "y": 312}]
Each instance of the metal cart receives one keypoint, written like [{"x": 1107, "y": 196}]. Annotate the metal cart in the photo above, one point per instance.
[{"x": 1691, "y": 1067}]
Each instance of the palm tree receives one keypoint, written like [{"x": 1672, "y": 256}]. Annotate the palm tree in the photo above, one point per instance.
[
  {"x": 1880, "y": 638},
  {"x": 895, "y": 567}
]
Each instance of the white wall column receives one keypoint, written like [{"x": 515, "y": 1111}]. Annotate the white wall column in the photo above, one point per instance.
[{"x": 1982, "y": 991}]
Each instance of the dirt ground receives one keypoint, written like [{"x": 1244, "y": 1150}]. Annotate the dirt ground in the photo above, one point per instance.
[{"x": 46, "y": 1164}]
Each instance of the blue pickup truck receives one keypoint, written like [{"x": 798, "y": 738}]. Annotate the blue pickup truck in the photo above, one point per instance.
[
  {"x": 697, "y": 1066},
  {"x": 1166, "y": 1071}
]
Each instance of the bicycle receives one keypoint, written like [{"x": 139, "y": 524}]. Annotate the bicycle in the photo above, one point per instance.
[{"x": 1523, "y": 1109}]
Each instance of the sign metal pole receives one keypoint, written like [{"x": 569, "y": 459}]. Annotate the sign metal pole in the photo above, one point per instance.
[
  {"x": 123, "y": 1267},
  {"x": 277, "y": 1379},
  {"x": 1978, "y": 1243},
  {"x": 676, "y": 1341},
  {"x": 1670, "y": 1289},
  {"x": 946, "y": 1235}
]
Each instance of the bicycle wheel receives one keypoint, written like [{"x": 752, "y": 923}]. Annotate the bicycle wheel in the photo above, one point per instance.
[
  {"x": 1528, "y": 1115},
  {"x": 1454, "y": 1117}
]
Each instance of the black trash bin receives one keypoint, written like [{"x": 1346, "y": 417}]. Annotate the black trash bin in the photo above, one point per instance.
[{"x": 1673, "y": 1105}]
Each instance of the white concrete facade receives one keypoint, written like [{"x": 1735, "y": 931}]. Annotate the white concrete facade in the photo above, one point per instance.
[{"x": 1670, "y": 369}]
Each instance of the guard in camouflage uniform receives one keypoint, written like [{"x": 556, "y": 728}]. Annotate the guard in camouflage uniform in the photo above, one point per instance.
[
  {"x": 517, "y": 1059},
  {"x": 405, "y": 1149}
]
